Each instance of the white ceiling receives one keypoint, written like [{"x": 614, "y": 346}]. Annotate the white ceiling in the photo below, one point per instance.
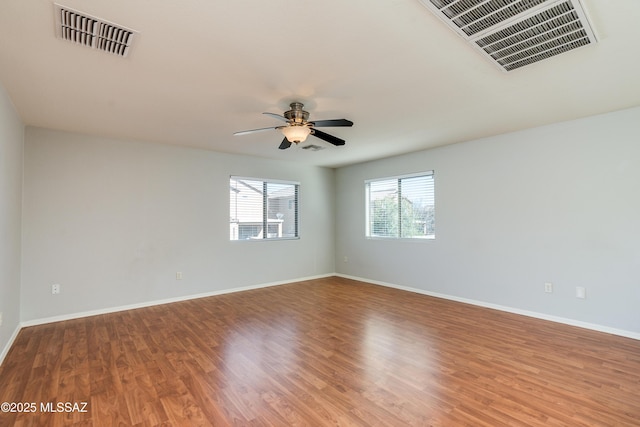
[{"x": 201, "y": 70}]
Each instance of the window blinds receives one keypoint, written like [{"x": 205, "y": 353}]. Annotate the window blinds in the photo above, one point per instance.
[{"x": 401, "y": 207}]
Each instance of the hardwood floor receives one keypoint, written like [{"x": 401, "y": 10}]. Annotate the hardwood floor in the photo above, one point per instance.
[{"x": 328, "y": 352}]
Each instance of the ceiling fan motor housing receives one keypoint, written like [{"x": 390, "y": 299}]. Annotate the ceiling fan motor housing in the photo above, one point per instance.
[{"x": 297, "y": 115}]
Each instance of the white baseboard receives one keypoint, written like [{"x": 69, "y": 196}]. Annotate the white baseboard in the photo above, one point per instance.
[
  {"x": 543, "y": 316},
  {"x": 6, "y": 348},
  {"x": 79, "y": 315}
]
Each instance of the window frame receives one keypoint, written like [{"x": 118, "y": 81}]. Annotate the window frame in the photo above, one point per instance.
[
  {"x": 265, "y": 222},
  {"x": 398, "y": 179}
]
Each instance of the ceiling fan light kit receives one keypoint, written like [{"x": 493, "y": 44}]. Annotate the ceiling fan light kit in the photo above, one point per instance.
[
  {"x": 298, "y": 127},
  {"x": 296, "y": 133}
]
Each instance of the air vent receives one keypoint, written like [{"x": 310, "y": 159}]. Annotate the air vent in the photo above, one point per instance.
[
  {"x": 515, "y": 33},
  {"x": 93, "y": 32}
]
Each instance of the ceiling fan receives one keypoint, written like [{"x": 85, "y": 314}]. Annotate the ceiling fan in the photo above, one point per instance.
[{"x": 298, "y": 127}]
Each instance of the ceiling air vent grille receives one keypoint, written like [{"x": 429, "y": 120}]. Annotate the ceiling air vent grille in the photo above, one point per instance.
[
  {"x": 312, "y": 147},
  {"x": 515, "y": 33},
  {"x": 93, "y": 32}
]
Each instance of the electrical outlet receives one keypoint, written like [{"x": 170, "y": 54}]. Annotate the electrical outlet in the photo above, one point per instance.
[
  {"x": 581, "y": 292},
  {"x": 55, "y": 289},
  {"x": 0, "y": 319},
  {"x": 179, "y": 275},
  {"x": 346, "y": 259},
  {"x": 548, "y": 287}
]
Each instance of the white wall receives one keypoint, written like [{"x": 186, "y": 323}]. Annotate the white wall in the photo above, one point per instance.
[
  {"x": 559, "y": 204},
  {"x": 11, "y": 148},
  {"x": 113, "y": 221}
]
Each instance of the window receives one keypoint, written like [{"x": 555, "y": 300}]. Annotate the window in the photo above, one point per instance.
[
  {"x": 401, "y": 207},
  {"x": 262, "y": 209}
]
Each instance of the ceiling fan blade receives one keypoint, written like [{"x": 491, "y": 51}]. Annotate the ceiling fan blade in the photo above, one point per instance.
[
  {"x": 244, "y": 132},
  {"x": 284, "y": 144},
  {"x": 332, "y": 123},
  {"x": 326, "y": 137},
  {"x": 277, "y": 116}
]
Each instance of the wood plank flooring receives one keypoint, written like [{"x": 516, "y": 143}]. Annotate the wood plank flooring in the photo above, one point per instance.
[{"x": 328, "y": 352}]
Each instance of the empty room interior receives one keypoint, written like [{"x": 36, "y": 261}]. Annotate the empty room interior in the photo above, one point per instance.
[{"x": 403, "y": 212}]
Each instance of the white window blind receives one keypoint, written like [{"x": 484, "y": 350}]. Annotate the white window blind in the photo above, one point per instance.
[
  {"x": 262, "y": 209},
  {"x": 401, "y": 207}
]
